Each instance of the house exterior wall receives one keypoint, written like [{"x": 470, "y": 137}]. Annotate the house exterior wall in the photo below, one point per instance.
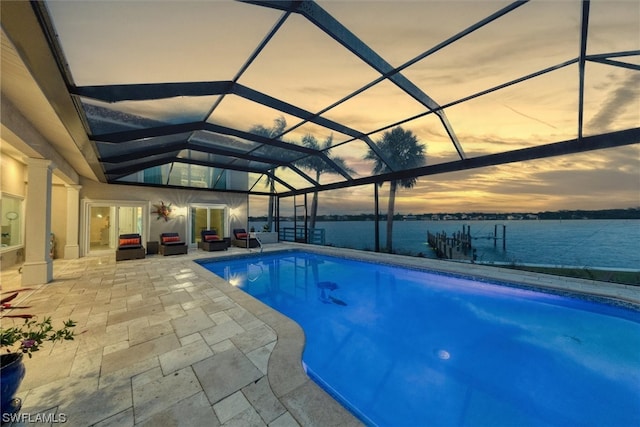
[
  {"x": 13, "y": 175},
  {"x": 180, "y": 199}
]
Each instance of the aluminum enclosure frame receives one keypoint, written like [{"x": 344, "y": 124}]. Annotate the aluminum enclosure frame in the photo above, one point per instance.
[{"x": 113, "y": 167}]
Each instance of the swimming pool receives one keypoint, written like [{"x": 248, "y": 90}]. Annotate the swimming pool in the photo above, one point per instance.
[{"x": 403, "y": 347}]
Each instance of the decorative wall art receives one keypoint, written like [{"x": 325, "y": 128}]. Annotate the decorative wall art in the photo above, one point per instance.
[{"x": 163, "y": 211}]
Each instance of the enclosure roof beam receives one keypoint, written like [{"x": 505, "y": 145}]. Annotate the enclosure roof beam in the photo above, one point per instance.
[
  {"x": 589, "y": 143},
  {"x": 584, "y": 24}
]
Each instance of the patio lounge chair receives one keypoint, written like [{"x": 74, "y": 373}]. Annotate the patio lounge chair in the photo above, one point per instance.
[
  {"x": 130, "y": 247},
  {"x": 210, "y": 241},
  {"x": 172, "y": 244},
  {"x": 241, "y": 239}
]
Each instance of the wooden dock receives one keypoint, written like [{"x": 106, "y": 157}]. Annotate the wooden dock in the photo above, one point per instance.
[{"x": 459, "y": 246}]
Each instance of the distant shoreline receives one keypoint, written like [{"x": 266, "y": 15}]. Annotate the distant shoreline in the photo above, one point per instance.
[{"x": 609, "y": 214}]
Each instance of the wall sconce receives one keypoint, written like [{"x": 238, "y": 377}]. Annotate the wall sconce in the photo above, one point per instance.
[{"x": 181, "y": 211}]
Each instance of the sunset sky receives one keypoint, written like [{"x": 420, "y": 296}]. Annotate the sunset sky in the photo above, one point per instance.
[{"x": 109, "y": 42}]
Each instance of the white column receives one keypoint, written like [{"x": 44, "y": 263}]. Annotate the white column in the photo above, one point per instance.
[
  {"x": 38, "y": 266},
  {"x": 71, "y": 249}
]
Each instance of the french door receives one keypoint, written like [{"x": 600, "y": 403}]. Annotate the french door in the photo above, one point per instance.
[{"x": 105, "y": 221}]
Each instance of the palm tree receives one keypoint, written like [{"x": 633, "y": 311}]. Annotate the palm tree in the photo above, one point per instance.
[
  {"x": 403, "y": 151},
  {"x": 279, "y": 124},
  {"x": 317, "y": 164}
]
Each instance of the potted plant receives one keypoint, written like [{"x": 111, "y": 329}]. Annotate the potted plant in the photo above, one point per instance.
[{"x": 20, "y": 338}]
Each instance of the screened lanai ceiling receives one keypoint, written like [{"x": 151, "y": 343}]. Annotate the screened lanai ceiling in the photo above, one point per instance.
[{"x": 295, "y": 95}]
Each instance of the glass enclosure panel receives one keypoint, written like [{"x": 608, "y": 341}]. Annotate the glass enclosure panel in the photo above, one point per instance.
[
  {"x": 259, "y": 182},
  {"x": 377, "y": 107},
  {"x": 11, "y": 221},
  {"x": 259, "y": 213},
  {"x": 530, "y": 38},
  {"x": 432, "y": 136},
  {"x": 168, "y": 30},
  {"x": 353, "y": 155},
  {"x": 148, "y": 176},
  {"x": 142, "y": 148},
  {"x": 232, "y": 111},
  {"x": 186, "y": 175},
  {"x": 321, "y": 137},
  {"x": 611, "y": 97},
  {"x": 384, "y": 25},
  {"x": 292, "y": 178},
  {"x": 300, "y": 54},
  {"x": 107, "y": 119},
  {"x": 278, "y": 153},
  {"x": 129, "y": 167},
  {"x": 604, "y": 37},
  {"x": 125, "y": 115},
  {"x": 534, "y": 112},
  {"x": 155, "y": 174},
  {"x": 228, "y": 143}
]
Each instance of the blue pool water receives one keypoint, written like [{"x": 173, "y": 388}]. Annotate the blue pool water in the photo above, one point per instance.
[{"x": 402, "y": 347}]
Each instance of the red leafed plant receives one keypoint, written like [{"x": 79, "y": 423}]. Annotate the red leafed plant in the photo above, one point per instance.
[{"x": 28, "y": 336}]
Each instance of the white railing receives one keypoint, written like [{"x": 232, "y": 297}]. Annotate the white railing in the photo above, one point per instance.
[{"x": 259, "y": 241}]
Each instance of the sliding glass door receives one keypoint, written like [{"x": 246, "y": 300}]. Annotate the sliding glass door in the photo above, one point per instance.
[
  {"x": 105, "y": 221},
  {"x": 208, "y": 217}
]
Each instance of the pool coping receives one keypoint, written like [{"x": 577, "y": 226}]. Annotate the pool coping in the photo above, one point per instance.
[{"x": 311, "y": 404}]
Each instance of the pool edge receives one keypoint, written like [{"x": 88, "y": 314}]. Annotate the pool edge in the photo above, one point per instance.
[{"x": 297, "y": 392}]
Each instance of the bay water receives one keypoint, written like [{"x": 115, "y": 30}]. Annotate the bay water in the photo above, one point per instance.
[{"x": 562, "y": 243}]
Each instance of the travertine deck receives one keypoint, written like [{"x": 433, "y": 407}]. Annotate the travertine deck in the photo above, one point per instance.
[{"x": 161, "y": 341}]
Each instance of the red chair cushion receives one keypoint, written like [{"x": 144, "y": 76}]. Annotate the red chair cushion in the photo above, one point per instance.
[
  {"x": 168, "y": 239},
  {"x": 211, "y": 237},
  {"x": 128, "y": 242},
  {"x": 241, "y": 235}
]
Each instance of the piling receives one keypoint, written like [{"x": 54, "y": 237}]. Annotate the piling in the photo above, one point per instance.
[
  {"x": 496, "y": 238},
  {"x": 457, "y": 247}
]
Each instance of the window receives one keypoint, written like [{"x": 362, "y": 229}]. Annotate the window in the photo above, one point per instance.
[{"x": 11, "y": 209}]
